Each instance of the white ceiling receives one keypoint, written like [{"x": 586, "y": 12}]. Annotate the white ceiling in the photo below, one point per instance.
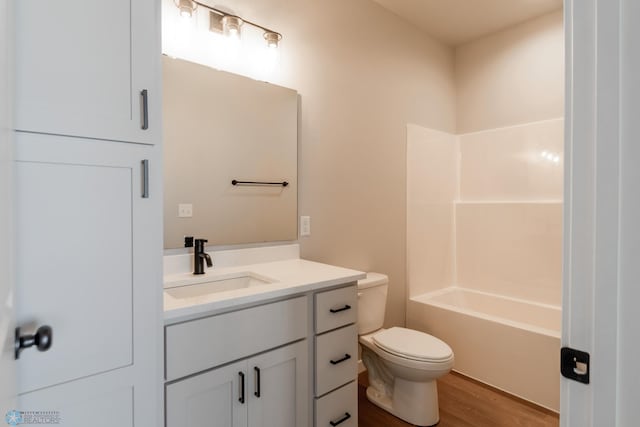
[{"x": 458, "y": 21}]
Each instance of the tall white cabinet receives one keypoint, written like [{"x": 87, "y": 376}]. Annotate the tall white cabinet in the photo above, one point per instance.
[{"x": 87, "y": 209}]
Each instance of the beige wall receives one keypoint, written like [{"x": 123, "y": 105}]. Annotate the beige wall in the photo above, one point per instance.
[
  {"x": 363, "y": 74},
  {"x": 511, "y": 77}
]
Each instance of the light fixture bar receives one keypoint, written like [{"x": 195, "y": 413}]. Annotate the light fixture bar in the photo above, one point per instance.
[{"x": 273, "y": 35}]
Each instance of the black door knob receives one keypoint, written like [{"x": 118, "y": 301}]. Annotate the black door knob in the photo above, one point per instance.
[{"x": 42, "y": 339}]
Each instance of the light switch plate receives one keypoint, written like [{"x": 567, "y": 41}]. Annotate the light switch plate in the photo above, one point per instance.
[
  {"x": 305, "y": 226},
  {"x": 185, "y": 210}
]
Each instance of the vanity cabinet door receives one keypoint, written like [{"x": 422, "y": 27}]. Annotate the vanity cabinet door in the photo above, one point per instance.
[
  {"x": 81, "y": 68},
  {"x": 217, "y": 398},
  {"x": 280, "y": 387},
  {"x": 88, "y": 263}
]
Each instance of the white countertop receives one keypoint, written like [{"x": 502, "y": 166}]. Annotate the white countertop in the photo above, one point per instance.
[{"x": 291, "y": 276}]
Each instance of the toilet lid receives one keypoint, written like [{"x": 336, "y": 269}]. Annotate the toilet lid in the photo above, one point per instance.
[{"x": 413, "y": 345}]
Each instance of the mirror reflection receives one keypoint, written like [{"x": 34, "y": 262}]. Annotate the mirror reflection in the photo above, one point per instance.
[{"x": 218, "y": 128}]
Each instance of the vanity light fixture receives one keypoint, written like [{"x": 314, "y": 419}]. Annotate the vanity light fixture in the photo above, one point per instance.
[
  {"x": 272, "y": 39},
  {"x": 231, "y": 26},
  {"x": 226, "y": 23},
  {"x": 187, "y": 7}
]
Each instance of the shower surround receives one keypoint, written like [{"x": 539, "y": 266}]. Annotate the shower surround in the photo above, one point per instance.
[{"x": 484, "y": 251}]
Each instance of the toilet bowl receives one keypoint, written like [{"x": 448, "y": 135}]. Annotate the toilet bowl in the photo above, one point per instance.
[{"x": 402, "y": 364}]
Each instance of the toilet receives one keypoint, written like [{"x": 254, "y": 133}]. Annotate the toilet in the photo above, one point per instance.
[{"x": 403, "y": 364}]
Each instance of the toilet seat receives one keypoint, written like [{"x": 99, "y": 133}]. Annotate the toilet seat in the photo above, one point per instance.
[{"x": 413, "y": 345}]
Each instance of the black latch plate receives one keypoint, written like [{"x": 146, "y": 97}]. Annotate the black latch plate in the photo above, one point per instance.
[{"x": 574, "y": 364}]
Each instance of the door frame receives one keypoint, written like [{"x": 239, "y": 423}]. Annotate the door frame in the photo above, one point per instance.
[
  {"x": 7, "y": 325},
  {"x": 600, "y": 276}
]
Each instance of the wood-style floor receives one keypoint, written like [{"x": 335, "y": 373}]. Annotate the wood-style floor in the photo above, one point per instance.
[{"x": 463, "y": 403}]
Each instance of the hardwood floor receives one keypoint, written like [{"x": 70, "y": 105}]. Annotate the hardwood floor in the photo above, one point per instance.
[{"x": 463, "y": 403}]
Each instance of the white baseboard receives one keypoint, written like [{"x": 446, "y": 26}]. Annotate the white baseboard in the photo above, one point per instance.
[{"x": 361, "y": 367}]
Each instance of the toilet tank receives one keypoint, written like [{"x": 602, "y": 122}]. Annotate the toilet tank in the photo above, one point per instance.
[{"x": 372, "y": 301}]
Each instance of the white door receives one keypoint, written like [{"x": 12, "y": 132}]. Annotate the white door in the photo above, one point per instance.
[
  {"x": 279, "y": 391},
  {"x": 217, "y": 398},
  {"x": 7, "y": 367},
  {"x": 602, "y": 207},
  {"x": 87, "y": 265},
  {"x": 82, "y": 66}
]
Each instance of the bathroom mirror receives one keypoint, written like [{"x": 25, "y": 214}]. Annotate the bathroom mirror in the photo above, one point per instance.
[{"x": 220, "y": 127}]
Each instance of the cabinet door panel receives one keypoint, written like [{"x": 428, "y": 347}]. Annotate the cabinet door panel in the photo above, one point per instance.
[
  {"x": 88, "y": 264},
  {"x": 74, "y": 268},
  {"x": 74, "y": 72},
  {"x": 208, "y": 400},
  {"x": 283, "y": 387},
  {"x": 98, "y": 401}
]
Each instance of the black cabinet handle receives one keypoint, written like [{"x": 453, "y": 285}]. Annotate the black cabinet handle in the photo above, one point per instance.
[
  {"x": 341, "y": 420},
  {"x": 144, "y": 97},
  {"x": 241, "y": 398},
  {"x": 42, "y": 339},
  {"x": 257, "y": 392},
  {"x": 145, "y": 178},
  {"x": 335, "y": 362},
  {"x": 338, "y": 310}
]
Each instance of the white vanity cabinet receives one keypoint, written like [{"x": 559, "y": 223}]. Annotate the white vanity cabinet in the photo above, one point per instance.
[
  {"x": 336, "y": 357},
  {"x": 278, "y": 356},
  {"x": 88, "y": 68},
  {"x": 242, "y": 368}
]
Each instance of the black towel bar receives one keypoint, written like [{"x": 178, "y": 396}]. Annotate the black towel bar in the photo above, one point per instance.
[{"x": 236, "y": 182}]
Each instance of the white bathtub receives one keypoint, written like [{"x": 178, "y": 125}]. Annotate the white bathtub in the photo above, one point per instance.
[{"x": 511, "y": 344}]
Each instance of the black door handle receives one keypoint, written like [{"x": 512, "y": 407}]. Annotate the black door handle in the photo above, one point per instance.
[{"x": 42, "y": 339}]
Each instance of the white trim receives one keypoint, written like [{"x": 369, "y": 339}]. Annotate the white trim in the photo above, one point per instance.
[
  {"x": 592, "y": 208},
  {"x": 7, "y": 324}
]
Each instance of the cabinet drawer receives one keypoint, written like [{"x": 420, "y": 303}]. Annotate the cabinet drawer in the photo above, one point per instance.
[
  {"x": 336, "y": 359},
  {"x": 336, "y": 308},
  {"x": 212, "y": 341},
  {"x": 338, "y": 405}
]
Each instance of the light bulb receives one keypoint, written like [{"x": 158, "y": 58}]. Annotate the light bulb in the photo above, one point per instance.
[
  {"x": 231, "y": 26},
  {"x": 272, "y": 39},
  {"x": 186, "y": 8}
]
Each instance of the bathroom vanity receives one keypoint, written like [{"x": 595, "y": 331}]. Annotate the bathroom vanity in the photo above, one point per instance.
[{"x": 261, "y": 344}]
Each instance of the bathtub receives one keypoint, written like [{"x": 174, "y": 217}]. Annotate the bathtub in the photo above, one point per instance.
[{"x": 508, "y": 343}]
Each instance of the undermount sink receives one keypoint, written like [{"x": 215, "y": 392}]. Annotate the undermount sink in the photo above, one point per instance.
[{"x": 215, "y": 285}]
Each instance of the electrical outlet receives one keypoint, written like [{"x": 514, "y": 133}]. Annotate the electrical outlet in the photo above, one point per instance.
[
  {"x": 305, "y": 226},
  {"x": 185, "y": 210}
]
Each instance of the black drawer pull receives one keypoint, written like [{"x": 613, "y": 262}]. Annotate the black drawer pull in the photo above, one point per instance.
[
  {"x": 341, "y": 420},
  {"x": 338, "y": 310},
  {"x": 241, "y": 398},
  {"x": 346, "y": 357}
]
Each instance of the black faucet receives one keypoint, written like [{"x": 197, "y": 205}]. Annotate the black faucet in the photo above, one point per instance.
[{"x": 199, "y": 255}]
